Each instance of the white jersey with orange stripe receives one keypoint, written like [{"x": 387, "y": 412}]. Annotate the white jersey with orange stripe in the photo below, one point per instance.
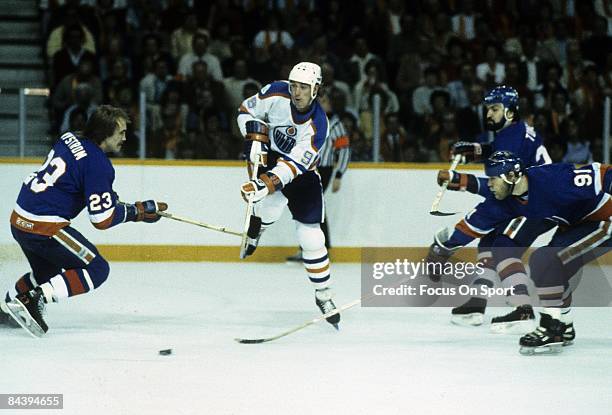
[{"x": 296, "y": 136}]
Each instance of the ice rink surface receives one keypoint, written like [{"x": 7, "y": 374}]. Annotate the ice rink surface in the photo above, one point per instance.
[{"x": 102, "y": 351}]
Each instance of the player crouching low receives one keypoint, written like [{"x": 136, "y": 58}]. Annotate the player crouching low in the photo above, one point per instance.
[
  {"x": 284, "y": 127},
  {"x": 76, "y": 174}
]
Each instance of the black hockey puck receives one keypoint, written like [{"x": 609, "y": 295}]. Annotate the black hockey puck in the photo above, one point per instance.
[{"x": 165, "y": 352}]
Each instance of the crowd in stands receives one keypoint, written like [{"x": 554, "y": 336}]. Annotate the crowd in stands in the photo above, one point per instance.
[{"x": 429, "y": 61}]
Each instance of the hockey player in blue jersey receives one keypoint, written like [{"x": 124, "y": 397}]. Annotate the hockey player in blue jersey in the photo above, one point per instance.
[
  {"x": 77, "y": 174},
  {"x": 528, "y": 202},
  {"x": 285, "y": 125},
  {"x": 514, "y": 135}
]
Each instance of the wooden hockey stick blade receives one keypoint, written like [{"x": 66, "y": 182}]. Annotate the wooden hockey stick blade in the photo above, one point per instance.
[
  {"x": 301, "y": 326},
  {"x": 438, "y": 213},
  {"x": 222, "y": 229}
]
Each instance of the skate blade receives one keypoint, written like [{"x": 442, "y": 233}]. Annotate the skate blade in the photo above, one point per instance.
[
  {"x": 336, "y": 326},
  {"x": 515, "y": 327},
  {"x": 20, "y": 315},
  {"x": 549, "y": 349},
  {"x": 467, "y": 320}
]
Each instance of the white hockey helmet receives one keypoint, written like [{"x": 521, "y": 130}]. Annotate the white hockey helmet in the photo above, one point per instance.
[{"x": 307, "y": 73}]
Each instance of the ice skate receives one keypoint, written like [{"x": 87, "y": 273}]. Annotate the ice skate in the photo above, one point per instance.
[
  {"x": 548, "y": 338},
  {"x": 470, "y": 313},
  {"x": 27, "y": 310},
  {"x": 323, "y": 299},
  {"x": 519, "y": 321}
]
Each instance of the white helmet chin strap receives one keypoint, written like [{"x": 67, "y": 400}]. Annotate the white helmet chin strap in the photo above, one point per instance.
[
  {"x": 508, "y": 120},
  {"x": 505, "y": 179}
]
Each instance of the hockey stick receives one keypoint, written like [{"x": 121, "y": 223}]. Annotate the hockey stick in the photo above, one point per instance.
[
  {"x": 434, "y": 207},
  {"x": 301, "y": 326},
  {"x": 249, "y": 212},
  {"x": 201, "y": 224}
]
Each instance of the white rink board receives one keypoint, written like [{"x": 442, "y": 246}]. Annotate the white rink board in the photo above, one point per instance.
[{"x": 375, "y": 207}]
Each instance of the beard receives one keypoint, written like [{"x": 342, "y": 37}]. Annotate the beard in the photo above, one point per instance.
[{"x": 491, "y": 125}]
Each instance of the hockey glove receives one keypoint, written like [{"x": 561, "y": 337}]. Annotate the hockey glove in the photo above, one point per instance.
[
  {"x": 257, "y": 142},
  {"x": 259, "y": 188},
  {"x": 456, "y": 181},
  {"x": 438, "y": 255},
  {"x": 147, "y": 211},
  {"x": 470, "y": 152}
]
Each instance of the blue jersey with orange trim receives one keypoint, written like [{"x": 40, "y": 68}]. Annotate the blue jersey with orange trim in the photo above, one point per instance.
[
  {"x": 296, "y": 136},
  {"x": 521, "y": 140},
  {"x": 75, "y": 174},
  {"x": 562, "y": 193}
]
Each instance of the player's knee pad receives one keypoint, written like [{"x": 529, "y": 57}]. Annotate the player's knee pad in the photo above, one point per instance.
[
  {"x": 310, "y": 236},
  {"x": 98, "y": 271},
  {"x": 270, "y": 209}
]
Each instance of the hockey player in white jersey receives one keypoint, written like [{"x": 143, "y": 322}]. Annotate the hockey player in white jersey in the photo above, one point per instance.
[{"x": 285, "y": 127}]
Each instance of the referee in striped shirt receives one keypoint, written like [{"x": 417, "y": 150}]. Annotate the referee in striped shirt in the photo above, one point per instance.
[{"x": 333, "y": 158}]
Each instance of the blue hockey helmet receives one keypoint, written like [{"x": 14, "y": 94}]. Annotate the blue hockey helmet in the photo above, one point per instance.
[
  {"x": 505, "y": 95},
  {"x": 503, "y": 162}
]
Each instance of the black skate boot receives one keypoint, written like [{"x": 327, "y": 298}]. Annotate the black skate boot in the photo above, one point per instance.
[
  {"x": 569, "y": 334},
  {"x": 27, "y": 310},
  {"x": 252, "y": 238},
  {"x": 470, "y": 313},
  {"x": 323, "y": 299},
  {"x": 520, "y": 321},
  {"x": 548, "y": 338}
]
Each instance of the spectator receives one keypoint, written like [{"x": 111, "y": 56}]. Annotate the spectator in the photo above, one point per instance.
[
  {"x": 117, "y": 80},
  {"x": 447, "y": 136},
  {"x": 67, "y": 59},
  {"x": 359, "y": 60},
  {"x": 578, "y": 150},
  {"x": 471, "y": 119},
  {"x": 394, "y": 140},
  {"x": 202, "y": 92},
  {"x": 531, "y": 67},
  {"x": 77, "y": 120},
  {"x": 328, "y": 72},
  {"x": 361, "y": 147},
  {"x": 491, "y": 71},
  {"x": 64, "y": 94},
  {"x": 150, "y": 53},
  {"x": 459, "y": 89},
  {"x": 182, "y": 38},
  {"x": 200, "y": 54},
  {"x": 114, "y": 53},
  {"x": 234, "y": 84},
  {"x": 366, "y": 89},
  {"x": 168, "y": 137},
  {"x": 154, "y": 84},
  {"x": 421, "y": 102},
  {"x": 83, "y": 102},
  {"x": 220, "y": 44},
  {"x": 270, "y": 34},
  {"x": 58, "y": 37},
  {"x": 463, "y": 23}
]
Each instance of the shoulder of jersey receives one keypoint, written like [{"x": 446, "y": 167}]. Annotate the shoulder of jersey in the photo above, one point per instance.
[
  {"x": 319, "y": 118},
  {"x": 275, "y": 89}
]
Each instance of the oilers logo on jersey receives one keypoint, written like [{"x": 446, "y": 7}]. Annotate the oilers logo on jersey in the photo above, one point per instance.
[{"x": 284, "y": 137}]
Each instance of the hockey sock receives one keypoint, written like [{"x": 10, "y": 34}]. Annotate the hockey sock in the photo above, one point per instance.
[
  {"x": 488, "y": 276},
  {"x": 512, "y": 273},
  {"x": 314, "y": 254}
]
